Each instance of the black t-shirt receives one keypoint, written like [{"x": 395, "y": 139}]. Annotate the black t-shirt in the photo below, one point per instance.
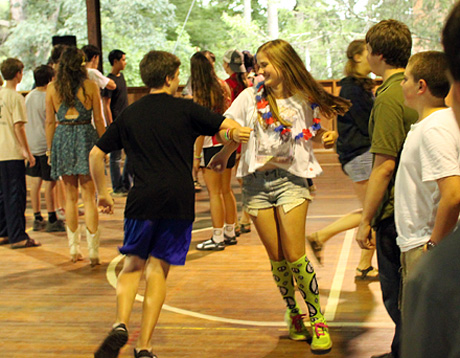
[
  {"x": 353, "y": 126},
  {"x": 158, "y": 133},
  {"x": 118, "y": 96}
]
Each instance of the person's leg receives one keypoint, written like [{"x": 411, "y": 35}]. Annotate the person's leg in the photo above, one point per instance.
[
  {"x": 291, "y": 231},
  {"x": 231, "y": 212},
  {"x": 71, "y": 209},
  {"x": 127, "y": 286},
  {"x": 88, "y": 194},
  {"x": 49, "y": 196},
  {"x": 267, "y": 227},
  {"x": 71, "y": 204},
  {"x": 14, "y": 196},
  {"x": 155, "y": 292},
  {"x": 213, "y": 182},
  {"x": 115, "y": 172},
  {"x": 35, "y": 184},
  {"x": 59, "y": 195},
  {"x": 388, "y": 257}
]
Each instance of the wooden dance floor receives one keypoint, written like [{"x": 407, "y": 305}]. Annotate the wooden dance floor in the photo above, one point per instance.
[{"x": 219, "y": 305}]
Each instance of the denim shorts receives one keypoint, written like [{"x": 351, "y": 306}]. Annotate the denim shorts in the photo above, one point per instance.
[
  {"x": 360, "y": 167},
  {"x": 165, "y": 239},
  {"x": 272, "y": 188}
]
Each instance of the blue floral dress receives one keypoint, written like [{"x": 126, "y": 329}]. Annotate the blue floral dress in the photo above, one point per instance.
[{"x": 72, "y": 142}]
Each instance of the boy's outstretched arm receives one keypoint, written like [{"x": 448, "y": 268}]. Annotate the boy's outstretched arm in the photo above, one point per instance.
[{"x": 97, "y": 166}]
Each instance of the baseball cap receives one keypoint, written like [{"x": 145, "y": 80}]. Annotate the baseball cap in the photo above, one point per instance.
[{"x": 235, "y": 60}]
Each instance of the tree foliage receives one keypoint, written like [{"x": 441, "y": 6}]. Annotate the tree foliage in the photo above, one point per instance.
[{"x": 320, "y": 30}]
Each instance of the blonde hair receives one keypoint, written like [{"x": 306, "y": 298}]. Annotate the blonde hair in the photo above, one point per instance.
[{"x": 298, "y": 81}]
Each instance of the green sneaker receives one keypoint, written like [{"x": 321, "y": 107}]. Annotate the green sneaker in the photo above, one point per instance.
[
  {"x": 321, "y": 343},
  {"x": 297, "y": 329}
]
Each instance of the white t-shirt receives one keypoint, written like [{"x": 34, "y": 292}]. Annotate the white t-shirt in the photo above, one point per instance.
[
  {"x": 12, "y": 110},
  {"x": 101, "y": 81},
  {"x": 266, "y": 146},
  {"x": 431, "y": 152},
  {"x": 35, "y": 127},
  {"x": 96, "y": 76}
]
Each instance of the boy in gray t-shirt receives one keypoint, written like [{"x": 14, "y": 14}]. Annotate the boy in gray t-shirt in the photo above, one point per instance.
[{"x": 35, "y": 131}]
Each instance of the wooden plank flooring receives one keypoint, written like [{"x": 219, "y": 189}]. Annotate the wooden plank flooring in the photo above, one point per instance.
[{"x": 219, "y": 305}]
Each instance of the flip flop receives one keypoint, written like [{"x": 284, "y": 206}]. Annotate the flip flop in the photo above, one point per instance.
[{"x": 28, "y": 243}]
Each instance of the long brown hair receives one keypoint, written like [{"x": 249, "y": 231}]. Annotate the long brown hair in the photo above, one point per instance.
[
  {"x": 206, "y": 87},
  {"x": 70, "y": 75},
  {"x": 357, "y": 47},
  {"x": 298, "y": 81}
]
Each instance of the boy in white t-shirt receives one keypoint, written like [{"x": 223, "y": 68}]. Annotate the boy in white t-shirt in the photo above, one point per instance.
[
  {"x": 13, "y": 150},
  {"x": 426, "y": 204}
]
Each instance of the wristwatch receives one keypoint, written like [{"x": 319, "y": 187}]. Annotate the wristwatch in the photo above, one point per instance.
[{"x": 430, "y": 245}]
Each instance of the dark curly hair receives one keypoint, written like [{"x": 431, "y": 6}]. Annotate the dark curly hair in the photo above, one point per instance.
[{"x": 70, "y": 75}]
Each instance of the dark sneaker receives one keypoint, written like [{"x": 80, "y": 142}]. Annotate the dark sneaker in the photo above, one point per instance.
[
  {"x": 112, "y": 344},
  {"x": 57, "y": 226},
  {"x": 230, "y": 240},
  {"x": 39, "y": 225},
  {"x": 144, "y": 353},
  {"x": 120, "y": 193},
  {"x": 210, "y": 245}
]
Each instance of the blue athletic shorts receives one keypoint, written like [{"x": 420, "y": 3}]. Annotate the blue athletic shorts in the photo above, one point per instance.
[{"x": 164, "y": 239}]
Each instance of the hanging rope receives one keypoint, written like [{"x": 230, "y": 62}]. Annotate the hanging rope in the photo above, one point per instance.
[{"x": 183, "y": 27}]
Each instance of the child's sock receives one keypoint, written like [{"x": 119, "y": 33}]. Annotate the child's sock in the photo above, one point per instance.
[
  {"x": 230, "y": 230},
  {"x": 38, "y": 216},
  {"x": 284, "y": 280},
  {"x": 218, "y": 234},
  {"x": 52, "y": 218},
  {"x": 305, "y": 276}
]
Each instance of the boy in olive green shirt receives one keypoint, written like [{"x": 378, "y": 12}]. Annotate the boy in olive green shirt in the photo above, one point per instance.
[{"x": 389, "y": 46}]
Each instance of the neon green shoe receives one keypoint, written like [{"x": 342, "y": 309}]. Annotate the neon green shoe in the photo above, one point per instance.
[
  {"x": 321, "y": 343},
  {"x": 296, "y": 326}
]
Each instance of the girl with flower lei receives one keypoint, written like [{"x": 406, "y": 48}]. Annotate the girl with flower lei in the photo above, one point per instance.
[{"x": 284, "y": 113}]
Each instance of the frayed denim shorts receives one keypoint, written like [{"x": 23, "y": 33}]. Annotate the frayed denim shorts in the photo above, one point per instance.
[
  {"x": 272, "y": 188},
  {"x": 360, "y": 167}
]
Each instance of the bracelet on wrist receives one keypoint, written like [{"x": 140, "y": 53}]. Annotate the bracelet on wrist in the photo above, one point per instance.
[
  {"x": 197, "y": 156},
  {"x": 48, "y": 152},
  {"x": 430, "y": 245}
]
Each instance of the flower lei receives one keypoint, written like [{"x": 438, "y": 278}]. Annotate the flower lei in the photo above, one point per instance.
[{"x": 285, "y": 132}]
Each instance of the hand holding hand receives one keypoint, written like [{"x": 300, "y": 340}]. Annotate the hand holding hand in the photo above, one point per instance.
[
  {"x": 106, "y": 204},
  {"x": 241, "y": 135},
  {"x": 218, "y": 162}
]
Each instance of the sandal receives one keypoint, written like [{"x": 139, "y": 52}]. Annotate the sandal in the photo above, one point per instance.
[
  {"x": 242, "y": 229},
  {"x": 316, "y": 246},
  {"x": 4, "y": 241},
  {"x": 25, "y": 243},
  {"x": 369, "y": 274}
]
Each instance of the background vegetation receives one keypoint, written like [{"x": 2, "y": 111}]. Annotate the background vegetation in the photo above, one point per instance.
[{"x": 320, "y": 30}]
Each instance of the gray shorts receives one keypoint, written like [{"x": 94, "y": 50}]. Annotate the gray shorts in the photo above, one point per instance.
[
  {"x": 277, "y": 187},
  {"x": 360, "y": 167}
]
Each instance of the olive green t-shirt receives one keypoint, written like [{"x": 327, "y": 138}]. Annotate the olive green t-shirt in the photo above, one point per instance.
[{"x": 389, "y": 123}]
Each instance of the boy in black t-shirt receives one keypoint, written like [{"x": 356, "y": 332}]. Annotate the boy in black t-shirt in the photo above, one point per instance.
[
  {"x": 114, "y": 102},
  {"x": 158, "y": 133}
]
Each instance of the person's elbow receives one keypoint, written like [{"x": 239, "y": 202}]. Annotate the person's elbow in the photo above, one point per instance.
[{"x": 111, "y": 85}]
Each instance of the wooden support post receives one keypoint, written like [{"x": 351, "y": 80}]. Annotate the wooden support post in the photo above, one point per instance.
[{"x": 93, "y": 15}]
